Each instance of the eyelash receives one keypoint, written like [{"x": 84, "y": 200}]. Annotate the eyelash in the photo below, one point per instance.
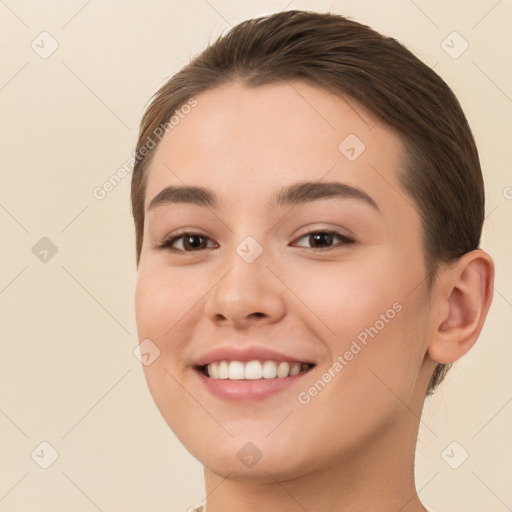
[{"x": 167, "y": 243}]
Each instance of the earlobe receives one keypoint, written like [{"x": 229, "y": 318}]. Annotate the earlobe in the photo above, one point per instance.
[{"x": 466, "y": 291}]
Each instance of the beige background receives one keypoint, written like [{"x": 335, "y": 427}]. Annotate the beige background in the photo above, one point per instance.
[{"x": 68, "y": 373}]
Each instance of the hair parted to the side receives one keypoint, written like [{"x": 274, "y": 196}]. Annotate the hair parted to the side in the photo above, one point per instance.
[{"x": 442, "y": 176}]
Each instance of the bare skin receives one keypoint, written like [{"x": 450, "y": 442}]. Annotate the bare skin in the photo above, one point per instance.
[{"x": 350, "y": 446}]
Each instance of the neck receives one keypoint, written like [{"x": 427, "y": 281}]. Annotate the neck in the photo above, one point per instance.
[{"x": 379, "y": 477}]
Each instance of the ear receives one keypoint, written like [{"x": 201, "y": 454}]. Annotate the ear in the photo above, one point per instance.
[{"x": 464, "y": 294}]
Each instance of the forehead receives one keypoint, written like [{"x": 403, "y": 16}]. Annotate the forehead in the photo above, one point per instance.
[{"x": 251, "y": 141}]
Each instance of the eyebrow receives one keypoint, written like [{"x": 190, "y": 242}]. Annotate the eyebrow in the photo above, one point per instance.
[{"x": 297, "y": 193}]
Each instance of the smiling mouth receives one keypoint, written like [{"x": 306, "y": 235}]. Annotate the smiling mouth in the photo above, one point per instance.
[{"x": 253, "y": 370}]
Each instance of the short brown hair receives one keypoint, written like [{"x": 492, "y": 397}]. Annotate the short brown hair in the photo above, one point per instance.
[{"x": 442, "y": 175}]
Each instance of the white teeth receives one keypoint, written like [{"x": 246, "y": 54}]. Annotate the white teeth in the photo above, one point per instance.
[
  {"x": 213, "y": 370},
  {"x": 253, "y": 370},
  {"x": 223, "y": 370},
  {"x": 236, "y": 370},
  {"x": 269, "y": 370},
  {"x": 295, "y": 368},
  {"x": 283, "y": 370}
]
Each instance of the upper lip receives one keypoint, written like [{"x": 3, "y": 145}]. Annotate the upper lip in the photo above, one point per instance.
[{"x": 254, "y": 352}]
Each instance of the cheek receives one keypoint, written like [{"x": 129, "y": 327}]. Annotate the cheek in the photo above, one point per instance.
[
  {"x": 374, "y": 362},
  {"x": 369, "y": 321},
  {"x": 343, "y": 297},
  {"x": 163, "y": 299},
  {"x": 162, "y": 302}
]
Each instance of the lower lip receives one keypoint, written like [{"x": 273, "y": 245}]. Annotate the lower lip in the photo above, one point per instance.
[{"x": 248, "y": 390}]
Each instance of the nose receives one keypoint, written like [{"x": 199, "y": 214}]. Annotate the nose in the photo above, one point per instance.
[{"x": 247, "y": 294}]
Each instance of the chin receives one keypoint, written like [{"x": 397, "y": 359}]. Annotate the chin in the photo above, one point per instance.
[{"x": 240, "y": 458}]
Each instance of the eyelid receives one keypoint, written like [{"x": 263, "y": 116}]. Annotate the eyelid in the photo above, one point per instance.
[{"x": 327, "y": 228}]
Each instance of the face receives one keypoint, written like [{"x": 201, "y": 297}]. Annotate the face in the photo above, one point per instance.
[{"x": 305, "y": 249}]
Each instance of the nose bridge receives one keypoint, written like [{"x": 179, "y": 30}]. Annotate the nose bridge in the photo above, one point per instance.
[{"x": 247, "y": 290}]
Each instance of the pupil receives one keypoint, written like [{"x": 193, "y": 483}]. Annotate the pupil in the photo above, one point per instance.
[
  {"x": 321, "y": 238},
  {"x": 194, "y": 241}
]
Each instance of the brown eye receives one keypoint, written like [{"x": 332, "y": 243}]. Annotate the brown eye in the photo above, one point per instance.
[
  {"x": 187, "y": 242},
  {"x": 194, "y": 242},
  {"x": 324, "y": 239}
]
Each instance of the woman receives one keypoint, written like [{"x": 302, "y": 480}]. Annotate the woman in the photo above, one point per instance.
[{"x": 308, "y": 204}]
